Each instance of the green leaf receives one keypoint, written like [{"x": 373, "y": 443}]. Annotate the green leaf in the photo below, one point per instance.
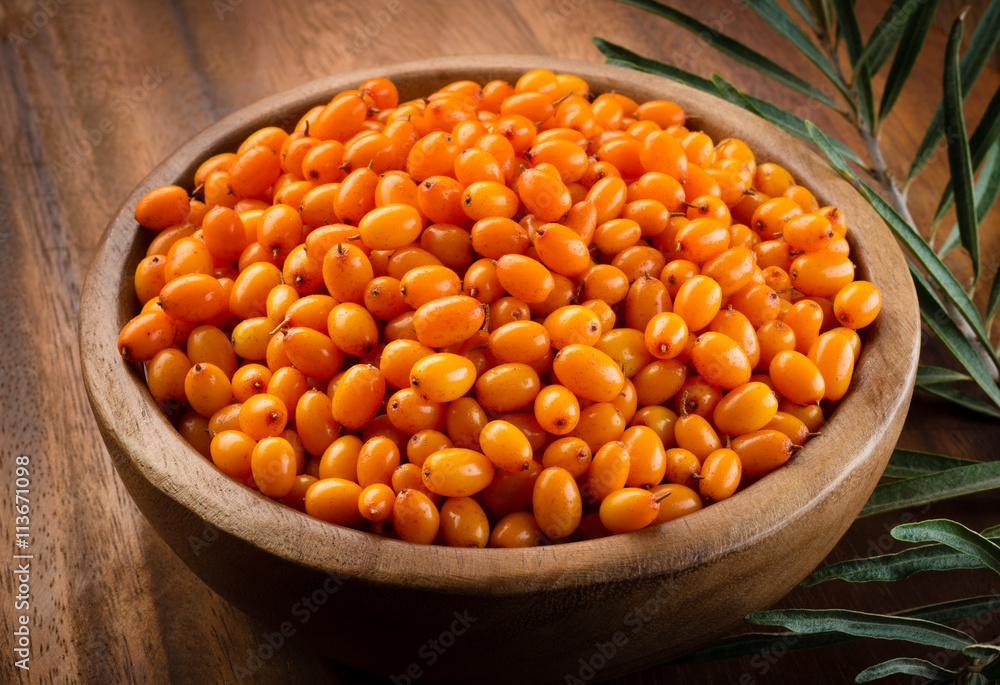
[
  {"x": 962, "y": 399},
  {"x": 773, "y": 14},
  {"x": 954, "y": 535},
  {"x": 932, "y": 487},
  {"x": 848, "y": 21},
  {"x": 981, "y": 45},
  {"x": 910, "y": 463},
  {"x": 622, "y": 56},
  {"x": 752, "y": 644},
  {"x": 940, "y": 322},
  {"x": 959, "y": 160},
  {"x": 729, "y": 92},
  {"x": 735, "y": 49},
  {"x": 892, "y": 567},
  {"x": 886, "y": 34},
  {"x": 980, "y": 651},
  {"x": 913, "y": 37},
  {"x": 909, "y": 666},
  {"x": 935, "y": 374},
  {"x": 982, "y": 142},
  {"x": 987, "y": 187},
  {"x": 861, "y": 624},
  {"x": 917, "y": 246}
]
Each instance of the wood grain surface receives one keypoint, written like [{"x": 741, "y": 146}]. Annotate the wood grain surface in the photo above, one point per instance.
[{"x": 94, "y": 95}]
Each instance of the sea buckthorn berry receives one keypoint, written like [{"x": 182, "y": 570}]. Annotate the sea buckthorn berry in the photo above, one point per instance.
[
  {"x": 833, "y": 355},
  {"x": 573, "y": 324},
  {"x": 556, "y": 503},
  {"x": 193, "y": 428},
  {"x": 639, "y": 260},
  {"x": 604, "y": 282},
  {"x": 629, "y": 509},
  {"x": 208, "y": 389},
  {"x": 516, "y": 529},
  {"x": 791, "y": 426},
  {"x": 378, "y": 458},
  {"x": 442, "y": 377},
  {"x": 721, "y": 360},
  {"x": 288, "y": 384},
  {"x": 627, "y": 349},
  {"x": 484, "y": 199},
  {"x": 677, "y": 272},
  {"x": 561, "y": 250},
  {"x": 482, "y": 282},
  {"x": 822, "y": 274},
  {"x": 519, "y": 341},
  {"x": 145, "y": 335},
  {"x": 808, "y": 233},
  {"x": 404, "y": 259},
  {"x": 774, "y": 336},
  {"x": 273, "y": 465},
  {"x": 648, "y": 459},
  {"x": 702, "y": 239},
  {"x": 772, "y": 179},
  {"x": 682, "y": 466},
  {"x": 600, "y": 422},
  {"x": 745, "y": 409},
  {"x": 608, "y": 196},
  {"x": 557, "y": 409},
  {"x": 464, "y": 523},
  {"x": 608, "y": 471},
  {"x": 313, "y": 353},
  {"x": 448, "y": 320},
  {"x": 762, "y": 451},
  {"x": 334, "y": 500},
  {"x": 731, "y": 269},
  {"x": 698, "y": 301},
  {"x": 658, "y": 381},
  {"x": 720, "y": 475},
  {"x": 231, "y": 451},
  {"x": 162, "y": 207},
  {"x": 525, "y": 278},
  {"x": 757, "y": 302},
  {"x": 382, "y": 298},
  {"x": 588, "y": 373},
  {"x": 647, "y": 298},
  {"x": 697, "y": 396},
  {"x": 675, "y": 501},
  {"x": 358, "y": 396},
  {"x": 507, "y": 387},
  {"x": 805, "y": 318},
  {"x": 315, "y": 423},
  {"x": 797, "y": 378},
  {"x": 149, "y": 277},
  {"x": 398, "y": 358},
  {"x": 802, "y": 197},
  {"x": 376, "y": 501},
  {"x": 457, "y": 472},
  {"x": 165, "y": 375},
  {"x": 410, "y": 413},
  {"x": 572, "y": 454},
  {"x": 857, "y": 304},
  {"x": 506, "y": 446},
  {"x": 390, "y": 227},
  {"x": 771, "y": 217},
  {"x": 659, "y": 186},
  {"x": 352, "y": 329},
  {"x": 695, "y": 434},
  {"x": 493, "y": 237},
  {"x": 735, "y": 325},
  {"x": 430, "y": 282},
  {"x": 666, "y": 335},
  {"x": 263, "y": 416},
  {"x": 340, "y": 459}
]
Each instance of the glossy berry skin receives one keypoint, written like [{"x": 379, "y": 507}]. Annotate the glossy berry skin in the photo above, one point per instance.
[
  {"x": 762, "y": 451},
  {"x": 720, "y": 475},
  {"x": 334, "y": 500},
  {"x": 506, "y": 446},
  {"x": 857, "y": 304},
  {"x": 797, "y": 378},
  {"x": 588, "y": 373},
  {"x": 457, "y": 472},
  {"x": 720, "y": 360},
  {"x": 629, "y": 509},
  {"x": 746, "y": 408},
  {"x": 442, "y": 377},
  {"x": 556, "y": 502}
]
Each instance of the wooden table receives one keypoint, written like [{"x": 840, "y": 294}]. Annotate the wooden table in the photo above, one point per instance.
[{"x": 94, "y": 94}]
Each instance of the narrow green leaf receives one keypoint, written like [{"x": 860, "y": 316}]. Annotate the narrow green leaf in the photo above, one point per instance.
[
  {"x": 773, "y": 14},
  {"x": 848, "y": 21},
  {"x": 906, "y": 665},
  {"x": 917, "y": 246},
  {"x": 962, "y": 399},
  {"x": 935, "y": 374},
  {"x": 751, "y": 644},
  {"x": 984, "y": 40},
  {"x": 987, "y": 188},
  {"x": 919, "y": 490},
  {"x": 891, "y": 567},
  {"x": 981, "y": 143},
  {"x": 622, "y": 56},
  {"x": 805, "y": 13},
  {"x": 959, "y": 161},
  {"x": 861, "y": 624},
  {"x": 912, "y": 40},
  {"x": 910, "y": 463},
  {"x": 729, "y": 92},
  {"x": 954, "y": 535},
  {"x": 940, "y": 322},
  {"x": 981, "y": 651},
  {"x": 886, "y": 34},
  {"x": 735, "y": 49}
]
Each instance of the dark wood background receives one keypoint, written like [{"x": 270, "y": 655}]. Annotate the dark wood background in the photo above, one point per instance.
[{"x": 94, "y": 94}]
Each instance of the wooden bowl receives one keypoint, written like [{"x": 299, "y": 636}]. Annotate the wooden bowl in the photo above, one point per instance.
[{"x": 592, "y": 610}]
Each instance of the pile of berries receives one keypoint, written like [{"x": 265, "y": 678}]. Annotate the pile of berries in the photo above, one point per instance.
[{"x": 498, "y": 315}]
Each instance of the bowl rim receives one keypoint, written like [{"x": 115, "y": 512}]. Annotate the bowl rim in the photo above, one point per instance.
[{"x": 135, "y": 422}]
